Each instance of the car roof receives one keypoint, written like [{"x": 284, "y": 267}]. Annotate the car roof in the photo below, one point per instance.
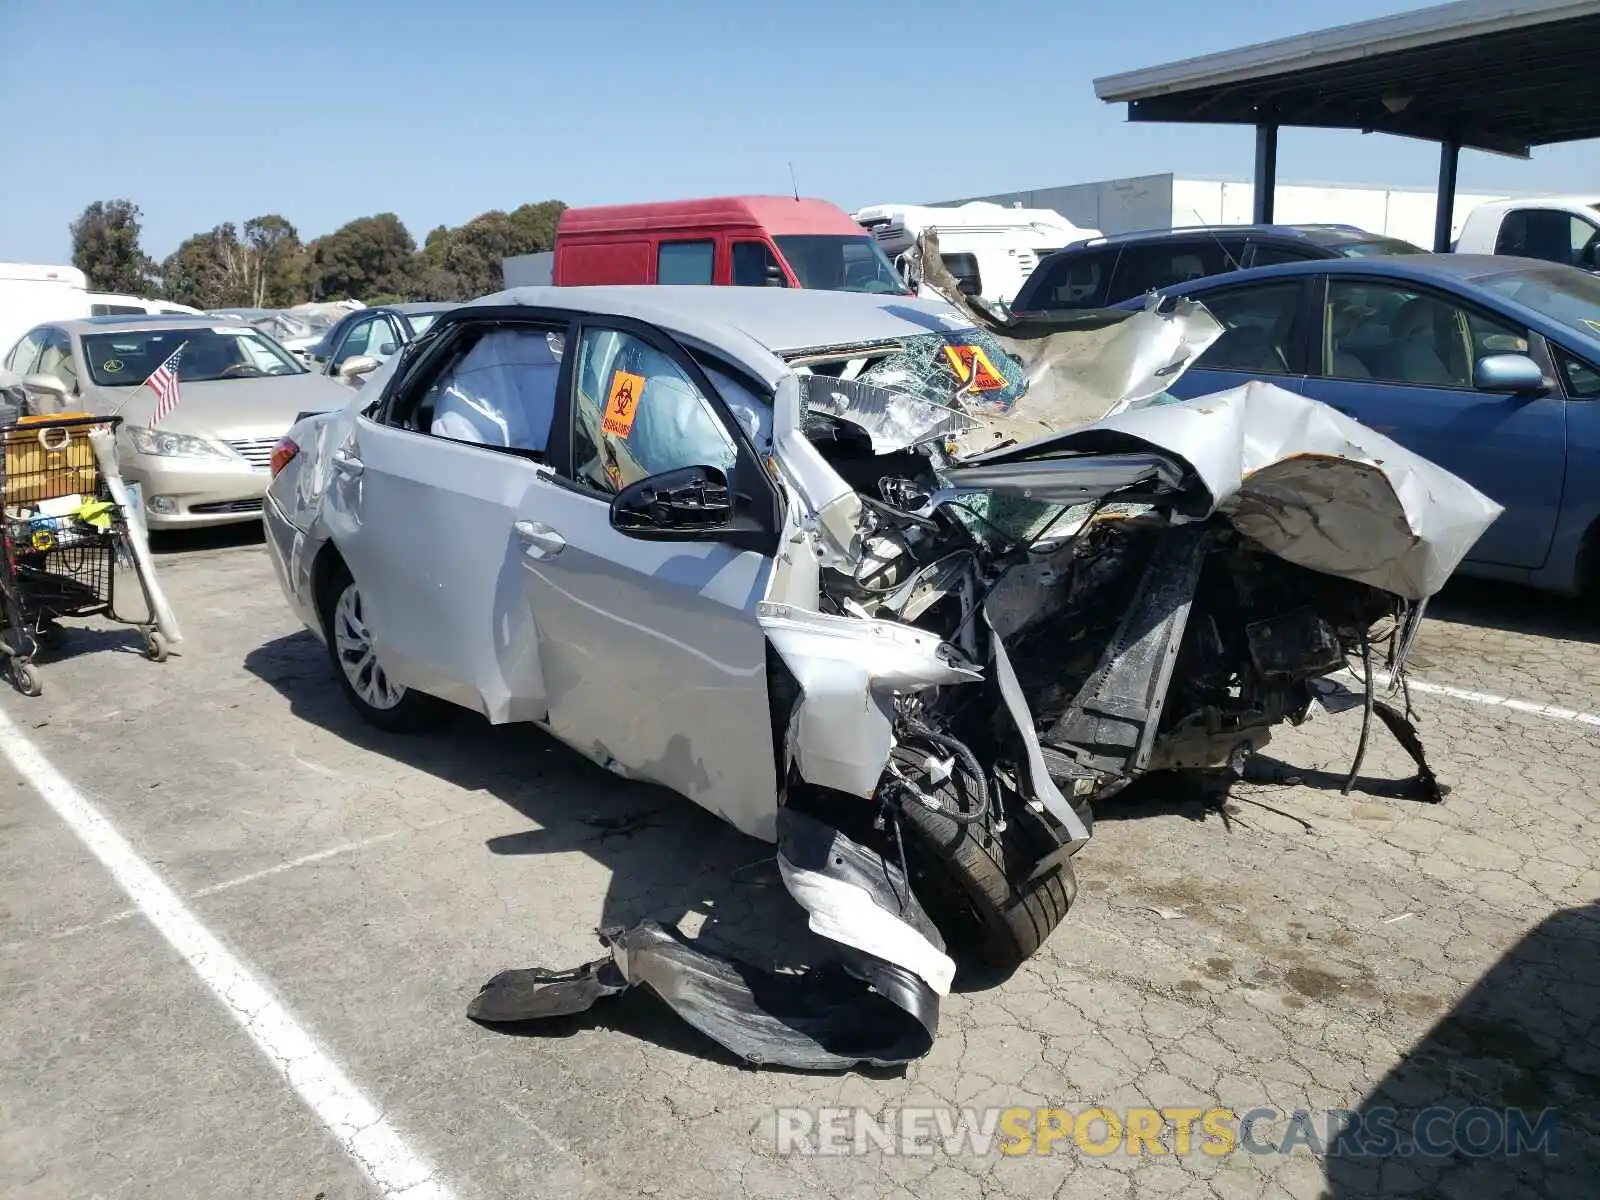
[
  {"x": 1418, "y": 267},
  {"x": 423, "y": 306},
  {"x": 1445, "y": 269},
  {"x": 778, "y": 321},
  {"x": 1317, "y": 234},
  {"x": 136, "y": 322}
]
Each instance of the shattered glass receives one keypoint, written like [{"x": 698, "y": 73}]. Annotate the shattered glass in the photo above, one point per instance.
[{"x": 920, "y": 368}]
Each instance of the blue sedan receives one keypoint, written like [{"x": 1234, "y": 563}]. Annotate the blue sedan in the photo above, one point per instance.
[{"x": 1489, "y": 366}]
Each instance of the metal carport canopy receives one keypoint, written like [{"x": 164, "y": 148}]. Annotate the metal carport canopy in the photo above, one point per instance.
[{"x": 1497, "y": 75}]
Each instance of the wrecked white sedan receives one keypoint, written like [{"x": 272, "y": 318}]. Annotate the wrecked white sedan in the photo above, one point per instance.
[{"x": 863, "y": 575}]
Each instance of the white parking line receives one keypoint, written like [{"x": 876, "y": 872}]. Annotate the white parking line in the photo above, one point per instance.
[
  {"x": 1551, "y": 712},
  {"x": 354, "y": 1121}
]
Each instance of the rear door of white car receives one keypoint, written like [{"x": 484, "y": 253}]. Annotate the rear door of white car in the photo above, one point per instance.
[{"x": 424, "y": 501}]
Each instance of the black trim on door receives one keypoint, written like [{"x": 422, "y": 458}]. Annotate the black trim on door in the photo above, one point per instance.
[
  {"x": 750, "y": 480},
  {"x": 424, "y": 358}
]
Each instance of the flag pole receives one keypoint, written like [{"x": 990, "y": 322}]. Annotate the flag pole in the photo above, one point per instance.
[{"x": 145, "y": 382}]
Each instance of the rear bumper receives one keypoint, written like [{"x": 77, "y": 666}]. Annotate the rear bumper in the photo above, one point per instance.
[{"x": 293, "y": 556}]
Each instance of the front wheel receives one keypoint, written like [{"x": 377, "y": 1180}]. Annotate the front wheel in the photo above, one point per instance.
[
  {"x": 975, "y": 881},
  {"x": 379, "y": 700}
]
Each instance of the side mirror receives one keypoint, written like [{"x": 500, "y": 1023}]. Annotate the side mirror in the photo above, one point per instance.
[
  {"x": 357, "y": 364},
  {"x": 47, "y": 385},
  {"x": 691, "y": 503},
  {"x": 1515, "y": 374}
]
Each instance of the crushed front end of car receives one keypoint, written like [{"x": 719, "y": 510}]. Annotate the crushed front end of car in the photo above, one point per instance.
[{"x": 1015, "y": 579}]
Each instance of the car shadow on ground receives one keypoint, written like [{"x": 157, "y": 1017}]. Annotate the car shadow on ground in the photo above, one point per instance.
[
  {"x": 164, "y": 542},
  {"x": 668, "y": 860},
  {"x": 1520, "y": 1046},
  {"x": 1513, "y": 609}
]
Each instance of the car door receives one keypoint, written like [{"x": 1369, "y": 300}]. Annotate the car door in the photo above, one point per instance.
[
  {"x": 1552, "y": 234},
  {"x": 57, "y": 360},
  {"x": 25, "y": 354},
  {"x": 1401, "y": 358},
  {"x": 372, "y": 335},
  {"x": 653, "y": 660},
  {"x": 1263, "y": 337},
  {"x": 424, "y": 502}
]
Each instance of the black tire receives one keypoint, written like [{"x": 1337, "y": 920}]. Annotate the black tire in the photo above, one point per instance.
[
  {"x": 413, "y": 712},
  {"x": 973, "y": 882}
]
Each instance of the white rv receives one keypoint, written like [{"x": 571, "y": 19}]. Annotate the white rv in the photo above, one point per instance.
[
  {"x": 989, "y": 248},
  {"x": 31, "y": 294},
  {"x": 112, "y": 304}
]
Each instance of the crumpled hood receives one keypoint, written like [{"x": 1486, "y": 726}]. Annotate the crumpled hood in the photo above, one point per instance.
[
  {"x": 1081, "y": 365},
  {"x": 1302, "y": 480},
  {"x": 1075, "y": 370}
]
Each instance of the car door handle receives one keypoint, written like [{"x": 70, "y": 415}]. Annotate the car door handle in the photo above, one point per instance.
[
  {"x": 347, "y": 464},
  {"x": 541, "y": 541}
]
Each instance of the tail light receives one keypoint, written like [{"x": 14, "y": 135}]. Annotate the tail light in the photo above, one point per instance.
[{"x": 282, "y": 454}]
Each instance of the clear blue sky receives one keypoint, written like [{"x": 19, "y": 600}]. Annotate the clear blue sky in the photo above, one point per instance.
[{"x": 208, "y": 112}]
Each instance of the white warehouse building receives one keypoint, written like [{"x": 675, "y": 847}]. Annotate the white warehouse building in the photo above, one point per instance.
[{"x": 1168, "y": 200}]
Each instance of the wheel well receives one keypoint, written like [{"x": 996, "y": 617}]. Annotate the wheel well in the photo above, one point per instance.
[
  {"x": 328, "y": 562},
  {"x": 1587, "y": 575}
]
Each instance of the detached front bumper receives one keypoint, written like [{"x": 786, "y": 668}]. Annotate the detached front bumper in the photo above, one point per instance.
[{"x": 193, "y": 493}]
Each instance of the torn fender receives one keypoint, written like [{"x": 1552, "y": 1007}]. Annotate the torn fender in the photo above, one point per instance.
[
  {"x": 849, "y": 669},
  {"x": 876, "y": 1003}
]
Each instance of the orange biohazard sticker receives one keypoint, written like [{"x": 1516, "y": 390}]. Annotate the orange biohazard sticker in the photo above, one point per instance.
[
  {"x": 964, "y": 359},
  {"x": 622, "y": 403}
]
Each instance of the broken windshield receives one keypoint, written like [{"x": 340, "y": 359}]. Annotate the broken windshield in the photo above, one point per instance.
[{"x": 935, "y": 367}]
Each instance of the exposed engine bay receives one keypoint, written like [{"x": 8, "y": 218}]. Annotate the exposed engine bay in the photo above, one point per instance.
[{"x": 1140, "y": 644}]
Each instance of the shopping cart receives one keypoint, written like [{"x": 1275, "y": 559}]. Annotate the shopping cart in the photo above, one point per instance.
[{"x": 62, "y": 539}]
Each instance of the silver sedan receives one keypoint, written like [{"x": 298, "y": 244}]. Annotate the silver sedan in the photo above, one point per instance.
[{"x": 862, "y": 575}]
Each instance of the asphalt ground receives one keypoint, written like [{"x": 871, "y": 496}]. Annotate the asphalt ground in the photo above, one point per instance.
[{"x": 239, "y": 931}]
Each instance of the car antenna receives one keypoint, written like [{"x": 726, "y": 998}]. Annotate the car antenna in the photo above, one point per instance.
[
  {"x": 1227, "y": 255},
  {"x": 793, "y": 183}
]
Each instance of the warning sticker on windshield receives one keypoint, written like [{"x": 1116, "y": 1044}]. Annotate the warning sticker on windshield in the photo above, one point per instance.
[
  {"x": 622, "y": 403},
  {"x": 965, "y": 359}
]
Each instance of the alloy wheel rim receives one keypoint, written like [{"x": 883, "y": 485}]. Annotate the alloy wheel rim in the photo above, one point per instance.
[{"x": 353, "y": 644}]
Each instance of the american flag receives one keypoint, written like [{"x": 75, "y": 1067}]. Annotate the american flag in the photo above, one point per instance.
[{"x": 163, "y": 382}]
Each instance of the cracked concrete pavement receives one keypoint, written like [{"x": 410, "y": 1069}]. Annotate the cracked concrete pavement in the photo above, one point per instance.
[{"x": 1361, "y": 952}]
